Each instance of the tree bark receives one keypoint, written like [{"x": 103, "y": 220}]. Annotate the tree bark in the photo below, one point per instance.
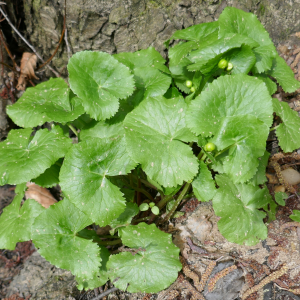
[{"x": 130, "y": 25}]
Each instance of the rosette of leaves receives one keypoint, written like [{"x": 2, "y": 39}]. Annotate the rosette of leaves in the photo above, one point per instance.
[{"x": 155, "y": 265}]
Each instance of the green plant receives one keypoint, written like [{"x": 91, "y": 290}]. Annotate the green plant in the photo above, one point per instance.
[{"x": 143, "y": 139}]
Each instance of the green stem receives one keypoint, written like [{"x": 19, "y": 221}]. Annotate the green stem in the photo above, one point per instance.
[
  {"x": 73, "y": 129},
  {"x": 109, "y": 243},
  {"x": 180, "y": 197},
  {"x": 141, "y": 219},
  {"x": 222, "y": 151},
  {"x": 200, "y": 154},
  {"x": 148, "y": 184},
  {"x": 108, "y": 237},
  {"x": 274, "y": 128},
  {"x": 203, "y": 157},
  {"x": 139, "y": 190},
  {"x": 165, "y": 200}
]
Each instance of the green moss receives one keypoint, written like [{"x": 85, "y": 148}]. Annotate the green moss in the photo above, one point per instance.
[
  {"x": 261, "y": 9},
  {"x": 36, "y": 4}
]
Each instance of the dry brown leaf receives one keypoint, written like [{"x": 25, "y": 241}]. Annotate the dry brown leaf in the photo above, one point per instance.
[
  {"x": 39, "y": 194},
  {"x": 28, "y": 65},
  {"x": 297, "y": 34}
]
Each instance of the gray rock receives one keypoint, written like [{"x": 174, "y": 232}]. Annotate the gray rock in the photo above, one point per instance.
[{"x": 42, "y": 280}]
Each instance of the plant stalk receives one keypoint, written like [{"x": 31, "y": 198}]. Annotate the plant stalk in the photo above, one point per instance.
[{"x": 73, "y": 129}]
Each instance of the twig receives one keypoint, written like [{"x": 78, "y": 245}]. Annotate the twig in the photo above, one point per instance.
[
  {"x": 25, "y": 41},
  {"x": 67, "y": 43},
  {"x": 6, "y": 48},
  {"x": 114, "y": 289}
]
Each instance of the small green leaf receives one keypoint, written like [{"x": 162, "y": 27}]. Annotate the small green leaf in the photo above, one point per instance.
[
  {"x": 155, "y": 210},
  {"x": 54, "y": 233},
  {"x": 230, "y": 95},
  {"x": 126, "y": 216},
  {"x": 280, "y": 197},
  {"x": 100, "y": 278},
  {"x": 181, "y": 50},
  {"x": 288, "y": 131},
  {"x": 84, "y": 177},
  {"x": 204, "y": 186},
  {"x": 284, "y": 75},
  {"x": 23, "y": 158},
  {"x": 148, "y": 271},
  {"x": 264, "y": 58},
  {"x": 154, "y": 133},
  {"x": 48, "y": 101},
  {"x": 100, "y": 81},
  {"x": 244, "y": 223},
  {"x": 260, "y": 175},
  {"x": 16, "y": 221},
  {"x": 295, "y": 216},
  {"x": 246, "y": 146}
]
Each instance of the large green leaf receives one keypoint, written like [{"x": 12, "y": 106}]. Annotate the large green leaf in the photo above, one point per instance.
[
  {"x": 84, "y": 177},
  {"x": 98, "y": 279},
  {"x": 233, "y": 95},
  {"x": 153, "y": 268},
  {"x": 288, "y": 132},
  {"x": 260, "y": 175},
  {"x": 23, "y": 158},
  {"x": 271, "y": 85},
  {"x": 208, "y": 55},
  {"x": 154, "y": 133},
  {"x": 238, "y": 206},
  {"x": 264, "y": 58},
  {"x": 284, "y": 75},
  {"x": 54, "y": 233},
  {"x": 246, "y": 136},
  {"x": 140, "y": 59},
  {"x": 237, "y": 21},
  {"x": 179, "y": 51},
  {"x": 16, "y": 221},
  {"x": 151, "y": 81},
  {"x": 197, "y": 32},
  {"x": 204, "y": 186},
  {"x": 100, "y": 81},
  {"x": 233, "y": 20},
  {"x": 48, "y": 101}
]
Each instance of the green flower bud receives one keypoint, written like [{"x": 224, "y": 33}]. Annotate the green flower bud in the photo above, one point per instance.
[
  {"x": 193, "y": 89},
  {"x": 229, "y": 67},
  {"x": 222, "y": 63},
  {"x": 209, "y": 147},
  {"x": 188, "y": 83}
]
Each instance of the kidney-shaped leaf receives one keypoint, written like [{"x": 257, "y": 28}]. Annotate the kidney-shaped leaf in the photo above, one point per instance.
[
  {"x": 153, "y": 268},
  {"x": 288, "y": 132},
  {"x": 84, "y": 177},
  {"x": 23, "y": 158},
  {"x": 246, "y": 136},
  {"x": 154, "y": 133},
  {"x": 237, "y": 205},
  {"x": 100, "y": 81},
  {"x": 16, "y": 222},
  {"x": 54, "y": 233},
  {"x": 48, "y": 101},
  {"x": 227, "y": 96}
]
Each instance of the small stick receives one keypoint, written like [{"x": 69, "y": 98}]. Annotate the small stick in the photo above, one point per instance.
[
  {"x": 25, "y": 41},
  {"x": 6, "y": 48},
  {"x": 105, "y": 293}
]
